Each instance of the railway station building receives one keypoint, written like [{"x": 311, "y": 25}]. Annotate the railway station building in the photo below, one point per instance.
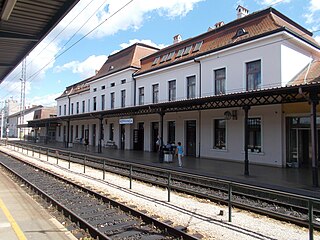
[{"x": 247, "y": 89}]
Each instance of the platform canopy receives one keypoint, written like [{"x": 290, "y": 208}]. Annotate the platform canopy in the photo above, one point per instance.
[{"x": 23, "y": 24}]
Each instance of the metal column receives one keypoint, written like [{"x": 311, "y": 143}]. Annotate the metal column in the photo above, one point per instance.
[
  {"x": 246, "y": 140},
  {"x": 314, "y": 143},
  {"x": 68, "y": 133},
  {"x": 100, "y": 135}
]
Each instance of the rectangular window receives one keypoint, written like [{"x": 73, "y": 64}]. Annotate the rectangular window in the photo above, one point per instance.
[
  {"x": 191, "y": 87},
  {"x": 220, "y": 81},
  {"x": 197, "y": 46},
  {"x": 88, "y": 105},
  {"x": 170, "y": 56},
  {"x": 71, "y": 108},
  {"x": 59, "y": 131},
  {"x": 111, "y": 131},
  {"x": 95, "y": 89},
  {"x": 94, "y": 103},
  {"x": 141, "y": 96},
  {"x": 103, "y": 87},
  {"x": 77, "y": 107},
  {"x": 171, "y": 131},
  {"x": 219, "y": 133},
  {"x": 172, "y": 90},
  {"x": 103, "y": 102},
  {"x": 164, "y": 58},
  {"x": 187, "y": 50},
  {"x": 112, "y": 84},
  {"x": 59, "y": 110},
  {"x": 71, "y": 133},
  {"x": 123, "y": 81},
  {"x": 179, "y": 54},
  {"x": 155, "y": 93},
  {"x": 253, "y": 75},
  {"x": 123, "y": 98},
  {"x": 83, "y": 106},
  {"x": 82, "y": 132},
  {"x": 65, "y": 109},
  {"x": 77, "y": 131},
  {"x": 112, "y": 100},
  {"x": 155, "y": 61},
  {"x": 254, "y": 130}
]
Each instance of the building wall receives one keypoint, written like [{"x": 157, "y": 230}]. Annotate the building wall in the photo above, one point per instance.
[
  {"x": 281, "y": 60},
  {"x": 178, "y": 73},
  {"x": 293, "y": 60}
]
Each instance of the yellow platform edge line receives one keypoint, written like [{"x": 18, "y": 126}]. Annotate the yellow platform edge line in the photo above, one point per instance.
[{"x": 13, "y": 223}]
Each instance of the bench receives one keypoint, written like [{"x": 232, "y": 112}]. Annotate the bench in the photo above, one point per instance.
[{"x": 110, "y": 144}]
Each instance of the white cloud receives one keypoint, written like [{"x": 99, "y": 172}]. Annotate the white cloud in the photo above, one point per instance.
[
  {"x": 131, "y": 17},
  {"x": 47, "y": 100},
  {"x": 93, "y": 14},
  {"x": 317, "y": 38},
  {"x": 86, "y": 68},
  {"x": 133, "y": 41},
  {"x": 311, "y": 18},
  {"x": 272, "y": 2},
  {"x": 314, "y": 5}
]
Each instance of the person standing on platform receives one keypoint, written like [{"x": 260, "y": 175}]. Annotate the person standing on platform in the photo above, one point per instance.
[
  {"x": 86, "y": 144},
  {"x": 179, "y": 153}
]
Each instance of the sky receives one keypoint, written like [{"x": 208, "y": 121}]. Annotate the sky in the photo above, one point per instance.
[{"x": 94, "y": 29}]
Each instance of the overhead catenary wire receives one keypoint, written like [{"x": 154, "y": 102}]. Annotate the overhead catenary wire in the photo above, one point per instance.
[
  {"x": 63, "y": 52},
  {"x": 33, "y": 76},
  {"x": 44, "y": 48}
]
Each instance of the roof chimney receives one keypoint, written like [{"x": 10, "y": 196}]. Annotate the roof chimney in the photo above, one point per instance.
[
  {"x": 177, "y": 39},
  {"x": 241, "y": 12},
  {"x": 219, "y": 24}
]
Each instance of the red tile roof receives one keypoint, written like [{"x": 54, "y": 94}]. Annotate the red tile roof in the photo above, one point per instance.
[
  {"x": 126, "y": 58},
  {"x": 310, "y": 74},
  {"x": 253, "y": 26}
]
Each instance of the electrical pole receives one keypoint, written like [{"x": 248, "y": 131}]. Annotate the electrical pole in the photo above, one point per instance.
[
  {"x": 23, "y": 95},
  {"x": 2, "y": 116}
]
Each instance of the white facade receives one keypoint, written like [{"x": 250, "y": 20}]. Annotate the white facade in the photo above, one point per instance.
[{"x": 279, "y": 56}]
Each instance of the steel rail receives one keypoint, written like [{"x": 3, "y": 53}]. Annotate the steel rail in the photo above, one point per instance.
[
  {"x": 92, "y": 230},
  {"x": 127, "y": 165}
]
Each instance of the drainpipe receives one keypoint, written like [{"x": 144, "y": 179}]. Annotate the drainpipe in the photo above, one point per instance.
[
  {"x": 68, "y": 122},
  {"x": 200, "y": 80},
  {"x": 134, "y": 89}
]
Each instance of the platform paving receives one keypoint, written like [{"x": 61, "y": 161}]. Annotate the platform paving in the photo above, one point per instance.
[
  {"x": 22, "y": 218},
  {"x": 294, "y": 180}
]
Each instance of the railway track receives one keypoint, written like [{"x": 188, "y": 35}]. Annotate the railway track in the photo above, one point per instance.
[
  {"x": 102, "y": 217},
  {"x": 274, "y": 205}
]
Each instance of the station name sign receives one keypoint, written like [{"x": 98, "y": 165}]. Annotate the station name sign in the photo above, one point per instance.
[{"x": 126, "y": 121}]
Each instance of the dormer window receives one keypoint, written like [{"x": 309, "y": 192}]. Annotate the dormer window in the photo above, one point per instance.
[
  {"x": 187, "y": 50},
  {"x": 240, "y": 32},
  {"x": 197, "y": 46},
  {"x": 111, "y": 68},
  {"x": 170, "y": 56},
  {"x": 155, "y": 61},
  {"x": 164, "y": 58},
  {"x": 179, "y": 54}
]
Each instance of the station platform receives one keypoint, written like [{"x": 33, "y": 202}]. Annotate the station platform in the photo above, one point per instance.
[
  {"x": 294, "y": 180},
  {"x": 22, "y": 218}
]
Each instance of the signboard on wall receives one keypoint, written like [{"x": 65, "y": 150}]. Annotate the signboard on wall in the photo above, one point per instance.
[{"x": 126, "y": 121}]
